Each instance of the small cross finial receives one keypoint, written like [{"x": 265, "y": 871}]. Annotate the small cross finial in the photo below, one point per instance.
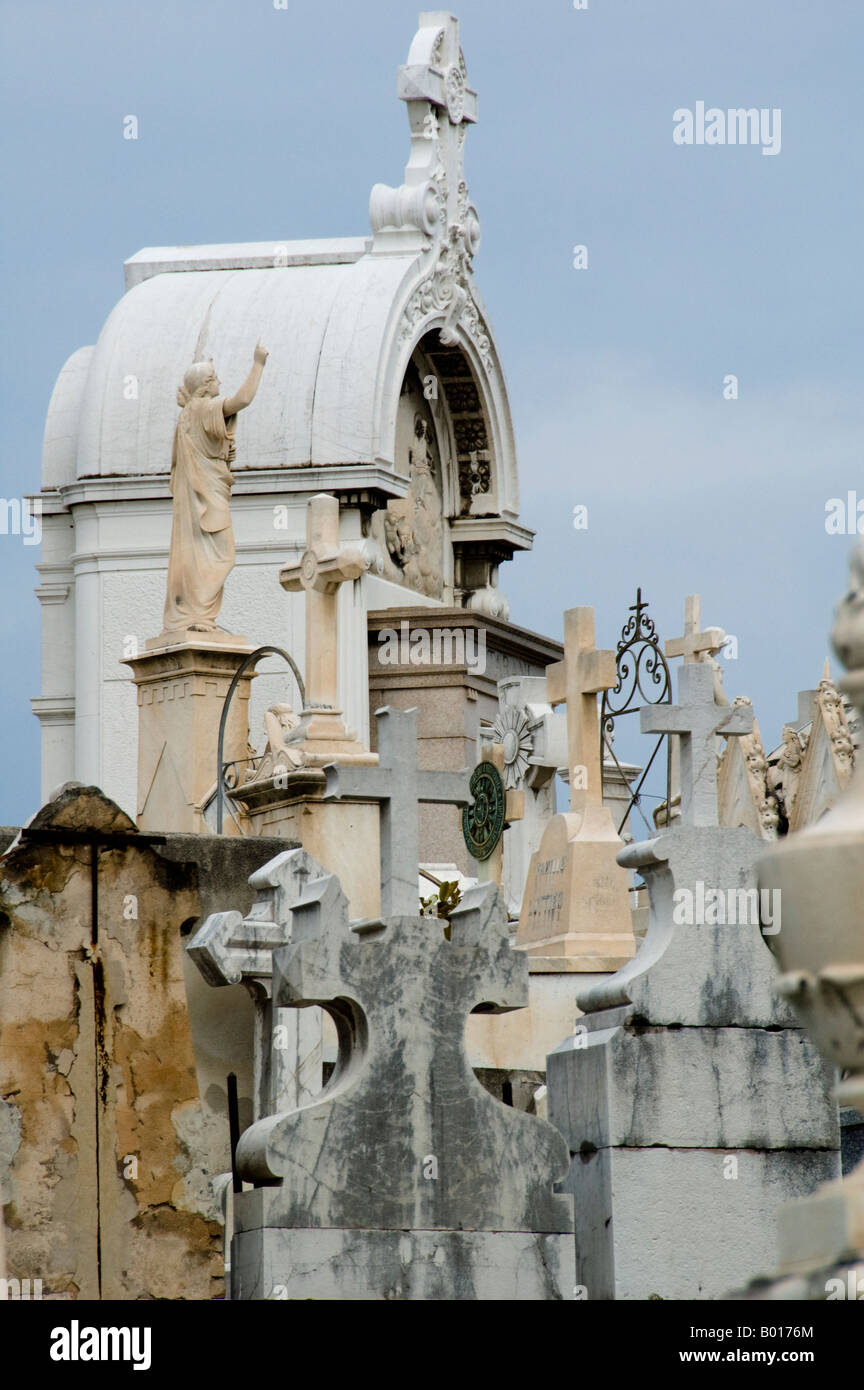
[{"x": 695, "y": 645}]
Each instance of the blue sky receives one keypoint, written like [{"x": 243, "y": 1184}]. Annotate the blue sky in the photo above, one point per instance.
[{"x": 257, "y": 123}]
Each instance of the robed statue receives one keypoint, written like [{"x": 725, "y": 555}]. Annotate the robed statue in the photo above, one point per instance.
[{"x": 202, "y": 541}]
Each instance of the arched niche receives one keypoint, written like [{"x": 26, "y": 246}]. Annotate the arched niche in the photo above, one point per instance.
[{"x": 445, "y": 444}]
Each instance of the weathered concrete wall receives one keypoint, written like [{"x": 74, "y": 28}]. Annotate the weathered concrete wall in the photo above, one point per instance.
[{"x": 112, "y": 1077}]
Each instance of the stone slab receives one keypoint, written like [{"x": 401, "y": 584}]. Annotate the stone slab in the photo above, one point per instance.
[
  {"x": 692, "y": 1088},
  {"x": 402, "y": 1265},
  {"x": 681, "y": 1229}
]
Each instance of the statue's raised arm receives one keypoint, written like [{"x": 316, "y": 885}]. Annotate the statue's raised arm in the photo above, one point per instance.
[{"x": 246, "y": 395}]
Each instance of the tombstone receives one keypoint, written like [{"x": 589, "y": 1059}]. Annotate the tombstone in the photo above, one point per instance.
[
  {"x": 691, "y": 1103},
  {"x": 575, "y": 911},
  {"x": 405, "y": 1179},
  {"x": 323, "y": 568}
]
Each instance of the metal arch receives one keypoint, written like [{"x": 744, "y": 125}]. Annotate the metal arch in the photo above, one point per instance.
[
  {"x": 250, "y": 660},
  {"x": 639, "y": 656}
]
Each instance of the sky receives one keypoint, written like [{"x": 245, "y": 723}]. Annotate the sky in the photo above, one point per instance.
[{"x": 704, "y": 262}]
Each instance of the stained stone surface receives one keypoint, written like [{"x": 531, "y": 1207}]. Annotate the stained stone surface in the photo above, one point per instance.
[
  {"x": 403, "y": 1090},
  {"x": 403, "y": 1265},
  {"x": 696, "y": 974},
  {"x": 692, "y": 1104},
  {"x": 692, "y": 1088},
  {"x": 230, "y": 948},
  {"x": 681, "y": 1227},
  {"x": 404, "y": 1150}
]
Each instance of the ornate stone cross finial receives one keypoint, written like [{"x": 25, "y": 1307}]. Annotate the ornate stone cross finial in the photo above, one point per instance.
[
  {"x": 432, "y": 210},
  {"x": 695, "y": 645},
  {"x": 576, "y": 681},
  {"x": 321, "y": 569},
  {"x": 399, "y": 786},
  {"x": 697, "y": 720}
]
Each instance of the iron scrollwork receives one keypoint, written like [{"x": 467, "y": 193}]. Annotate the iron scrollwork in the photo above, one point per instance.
[{"x": 643, "y": 679}]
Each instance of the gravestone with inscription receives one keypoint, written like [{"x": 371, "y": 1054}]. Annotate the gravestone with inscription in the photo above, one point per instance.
[
  {"x": 691, "y": 1102},
  {"x": 575, "y": 911}
]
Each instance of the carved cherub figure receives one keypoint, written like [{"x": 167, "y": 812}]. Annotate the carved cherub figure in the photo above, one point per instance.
[{"x": 280, "y": 754}]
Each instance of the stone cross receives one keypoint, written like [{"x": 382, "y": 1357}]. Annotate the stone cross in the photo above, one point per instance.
[
  {"x": 697, "y": 720},
  {"x": 695, "y": 645},
  {"x": 359, "y": 1157},
  {"x": 322, "y": 568},
  {"x": 435, "y": 73},
  {"x": 399, "y": 786},
  {"x": 576, "y": 681},
  {"x": 230, "y": 949}
]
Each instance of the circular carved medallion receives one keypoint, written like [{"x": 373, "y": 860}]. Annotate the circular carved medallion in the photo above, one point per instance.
[
  {"x": 308, "y": 566},
  {"x": 454, "y": 91},
  {"x": 483, "y": 823}
]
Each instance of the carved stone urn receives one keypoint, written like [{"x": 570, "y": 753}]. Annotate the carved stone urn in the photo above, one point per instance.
[{"x": 820, "y": 950}]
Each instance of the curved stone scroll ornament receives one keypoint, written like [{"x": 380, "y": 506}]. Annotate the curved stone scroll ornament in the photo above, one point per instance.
[{"x": 820, "y": 874}]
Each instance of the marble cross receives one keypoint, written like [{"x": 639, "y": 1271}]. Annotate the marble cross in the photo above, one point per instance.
[
  {"x": 695, "y": 645},
  {"x": 231, "y": 949},
  {"x": 399, "y": 786},
  {"x": 322, "y": 568},
  {"x": 576, "y": 681},
  {"x": 407, "y": 1096},
  {"x": 697, "y": 720}
]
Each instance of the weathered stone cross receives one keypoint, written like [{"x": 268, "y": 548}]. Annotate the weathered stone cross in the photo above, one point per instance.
[
  {"x": 695, "y": 645},
  {"x": 229, "y": 948},
  {"x": 576, "y": 681},
  {"x": 399, "y": 786},
  {"x": 697, "y": 720},
  {"x": 353, "y": 1159},
  {"x": 322, "y": 568}
]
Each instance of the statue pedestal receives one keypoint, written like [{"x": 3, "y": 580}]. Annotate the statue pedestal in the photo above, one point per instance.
[
  {"x": 342, "y": 835},
  {"x": 181, "y": 691}
]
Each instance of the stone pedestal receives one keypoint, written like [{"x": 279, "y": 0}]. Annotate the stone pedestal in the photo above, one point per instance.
[
  {"x": 692, "y": 1105},
  {"x": 181, "y": 691},
  {"x": 343, "y": 836},
  {"x": 270, "y": 1262}
]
